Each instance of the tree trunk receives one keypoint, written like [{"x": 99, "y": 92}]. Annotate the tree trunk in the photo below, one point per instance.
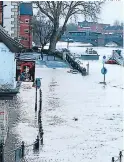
[
  {"x": 53, "y": 41},
  {"x": 42, "y": 47}
]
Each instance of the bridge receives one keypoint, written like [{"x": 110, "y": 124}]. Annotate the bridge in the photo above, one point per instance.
[
  {"x": 94, "y": 38},
  {"x": 12, "y": 44}
]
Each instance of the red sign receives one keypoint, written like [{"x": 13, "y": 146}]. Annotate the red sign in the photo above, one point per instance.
[{"x": 25, "y": 71}]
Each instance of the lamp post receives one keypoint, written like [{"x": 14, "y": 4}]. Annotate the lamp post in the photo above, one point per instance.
[{"x": 3, "y": 13}]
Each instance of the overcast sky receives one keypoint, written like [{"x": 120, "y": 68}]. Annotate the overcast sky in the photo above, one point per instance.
[{"x": 112, "y": 10}]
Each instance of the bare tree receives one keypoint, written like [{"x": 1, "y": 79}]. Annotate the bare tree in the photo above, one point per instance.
[
  {"x": 122, "y": 24},
  {"x": 116, "y": 23},
  {"x": 58, "y": 11},
  {"x": 42, "y": 29}
]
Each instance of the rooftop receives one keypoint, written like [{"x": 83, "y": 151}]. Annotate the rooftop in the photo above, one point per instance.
[
  {"x": 91, "y": 23},
  {"x": 13, "y": 45}
]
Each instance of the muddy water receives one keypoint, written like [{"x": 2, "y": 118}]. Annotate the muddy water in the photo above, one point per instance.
[{"x": 96, "y": 135}]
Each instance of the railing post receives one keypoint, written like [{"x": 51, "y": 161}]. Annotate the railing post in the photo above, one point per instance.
[
  {"x": 37, "y": 143},
  {"x": 113, "y": 159},
  {"x": 88, "y": 68},
  {"x": 23, "y": 148},
  {"x": 1, "y": 152},
  {"x": 120, "y": 156},
  {"x": 40, "y": 100},
  {"x": 42, "y": 140}
]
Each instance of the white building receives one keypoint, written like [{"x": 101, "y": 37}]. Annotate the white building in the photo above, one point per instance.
[
  {"x": 8, "y": 68},
  {"x": 10, "y": 17}
]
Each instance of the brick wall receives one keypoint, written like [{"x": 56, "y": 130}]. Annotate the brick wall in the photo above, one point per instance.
[{"x": 25, "y": 30}]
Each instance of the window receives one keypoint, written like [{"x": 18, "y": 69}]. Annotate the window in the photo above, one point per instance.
[
  {"x": 12, "y": 28},
  {"x": 26, "y": 20},
  {"x": 26, "y": 30},
  {"x": 16, "y": 13},
  {"x": 25, "y": 39},
  {"x": 12, "y": 22},
  {"x": 14, "y": 3},
  {"x": 14, "y": 16},
  {"x": 13, "y": 35},
  {"x": 21, "y": 22},
  {"x": 14, "y": 10}
]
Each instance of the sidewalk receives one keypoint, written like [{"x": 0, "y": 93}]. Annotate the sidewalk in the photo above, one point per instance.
[{"x": 22, "y": 120}]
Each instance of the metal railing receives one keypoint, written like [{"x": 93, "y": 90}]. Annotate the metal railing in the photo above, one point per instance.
[
  {"x": 6, "y": 35},
  {"x": 119, "y": 158},
  {"x": 119, "y": 59}
]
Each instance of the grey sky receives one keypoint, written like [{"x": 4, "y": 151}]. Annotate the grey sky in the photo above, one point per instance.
[{"x": 112, "y": 10}]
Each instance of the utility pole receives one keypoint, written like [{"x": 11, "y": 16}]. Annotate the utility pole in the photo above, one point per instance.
[{"x": 104, "y": 74}]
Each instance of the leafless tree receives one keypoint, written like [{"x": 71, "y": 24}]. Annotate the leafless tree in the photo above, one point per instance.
[
  {"x": 58, "y": 11},
  {"x": 116, "y": 23},
  {"x": 122, "y": 24},
  {"x": 42, "y": 29}
]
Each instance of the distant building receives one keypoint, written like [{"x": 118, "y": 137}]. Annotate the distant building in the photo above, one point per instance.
[
  {"x": 100, "y": 28},
  {"x": 113, "y": 30},
  {"x": 91, "y": 26},
  {"x": 25, "y": 32},
  {"x": 10, "y": 17}
]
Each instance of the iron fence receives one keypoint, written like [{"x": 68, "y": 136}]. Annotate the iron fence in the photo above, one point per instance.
[{"x": 119, "y": 158}]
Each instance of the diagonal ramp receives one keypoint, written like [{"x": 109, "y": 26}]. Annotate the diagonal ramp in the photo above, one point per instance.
[{"x": 11, "y": 43}]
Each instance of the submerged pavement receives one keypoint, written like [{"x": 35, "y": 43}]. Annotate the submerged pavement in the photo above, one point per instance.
[{"x": 97, "y": 133}]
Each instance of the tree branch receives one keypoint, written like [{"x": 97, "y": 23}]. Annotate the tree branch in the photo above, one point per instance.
[{"x": 43, "y": 11}]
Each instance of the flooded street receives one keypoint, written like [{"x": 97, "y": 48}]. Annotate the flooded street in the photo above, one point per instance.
[{"x": 96, "y": 135}]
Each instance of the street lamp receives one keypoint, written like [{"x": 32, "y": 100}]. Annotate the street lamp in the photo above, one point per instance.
[{"x": 2, "y": 13}]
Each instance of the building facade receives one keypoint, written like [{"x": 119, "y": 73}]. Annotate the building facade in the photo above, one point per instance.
[
  {"x": 25, "y": 27},
  {"x": 91, "y": 26},
  {"x": 10, "y": 17},
  {"x": 8, "y": 68},
  {"x": 118, "y": 30},
  {"x": 100, "y": 28}
]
